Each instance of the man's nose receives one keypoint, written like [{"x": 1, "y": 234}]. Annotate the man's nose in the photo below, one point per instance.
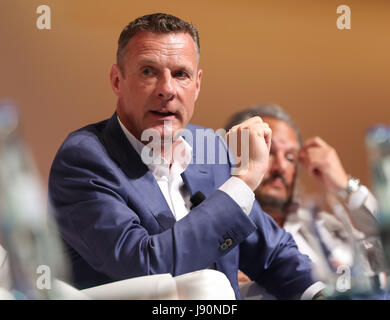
[
  {"x": 166, "y": 87},
  {"x": 278, "y": 163}
]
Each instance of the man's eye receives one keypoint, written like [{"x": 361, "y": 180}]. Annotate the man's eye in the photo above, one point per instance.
[
  {"x": 181, "y": 74},
  {"x": 147, "y": 71},
  {"x": 291, "y": 157}
]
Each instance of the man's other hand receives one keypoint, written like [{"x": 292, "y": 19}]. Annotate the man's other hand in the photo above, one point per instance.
[{"x": 324, "y": 164}]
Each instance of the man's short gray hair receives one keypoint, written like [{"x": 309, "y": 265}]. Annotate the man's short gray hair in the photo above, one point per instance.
[
  {"x": 266, "y": 110},
  {"x": 159, "y": 23}
]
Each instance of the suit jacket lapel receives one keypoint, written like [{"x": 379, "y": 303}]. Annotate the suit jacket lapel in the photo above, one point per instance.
[
  {"x": 141, "y": 180},
  {"x": 198, "y": 177}
]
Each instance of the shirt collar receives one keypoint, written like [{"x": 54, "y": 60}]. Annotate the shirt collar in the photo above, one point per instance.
[{"x": 160, "y": 167}]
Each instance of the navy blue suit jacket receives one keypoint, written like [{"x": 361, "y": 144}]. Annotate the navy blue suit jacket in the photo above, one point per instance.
[{"x": 116, "y": 224}]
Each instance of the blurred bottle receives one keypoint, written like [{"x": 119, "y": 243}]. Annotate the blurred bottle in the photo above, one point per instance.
[
  {"x": 26, "y": 230},
  {"x": 378, "y": 149}
]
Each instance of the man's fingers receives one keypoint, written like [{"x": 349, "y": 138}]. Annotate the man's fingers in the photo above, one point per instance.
[
  {"x": 254, "y": 125},
  {"x": 314, "y": 142},
  {"x": 313, "y": 155},
  {"x": 268, "y": 137},
  {"x": 248, "y": 123}
]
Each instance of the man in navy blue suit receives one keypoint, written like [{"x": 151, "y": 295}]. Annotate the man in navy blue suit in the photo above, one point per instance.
[{"x": 127, "y": 206}]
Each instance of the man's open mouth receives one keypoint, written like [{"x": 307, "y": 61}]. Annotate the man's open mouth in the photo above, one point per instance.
[{"x": 163, "y": 114}]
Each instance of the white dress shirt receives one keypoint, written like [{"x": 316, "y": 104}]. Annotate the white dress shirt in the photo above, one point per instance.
[{"x": 172, "y": 185}]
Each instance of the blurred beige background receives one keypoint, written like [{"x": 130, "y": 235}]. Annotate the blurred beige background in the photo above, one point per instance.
[{"x": 334, "y": 83}]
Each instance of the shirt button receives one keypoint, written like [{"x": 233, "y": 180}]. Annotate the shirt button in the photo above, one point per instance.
[{"x": 245, "y": 210}]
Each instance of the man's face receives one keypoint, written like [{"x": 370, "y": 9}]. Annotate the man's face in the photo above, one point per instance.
[
  {"x": 161, "y": 82},
  {"x": 277, "y": 185}
]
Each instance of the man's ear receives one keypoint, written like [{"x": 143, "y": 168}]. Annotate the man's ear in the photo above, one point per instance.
[
  {"x": 198, "y": 81},
  {"x": 115, "y": 79}
]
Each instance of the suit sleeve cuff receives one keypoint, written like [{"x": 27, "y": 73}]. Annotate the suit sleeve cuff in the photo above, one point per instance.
[
  {"x": 239, "y": 191},
  {"x": 357, "y": 198},
  {"x": 313, "y": 290}
]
